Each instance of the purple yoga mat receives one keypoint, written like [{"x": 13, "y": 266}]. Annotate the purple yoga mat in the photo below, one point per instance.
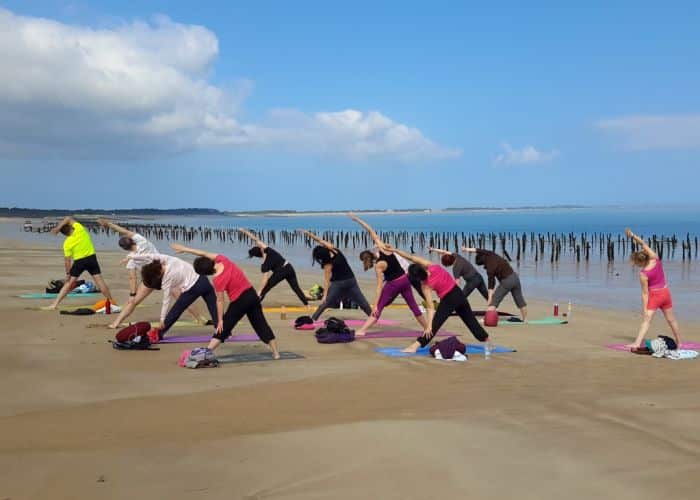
[
  {"x": 359, "y": 322},
  {"x": 684, "y": 345},
  {"x": 199, "y": 339}
]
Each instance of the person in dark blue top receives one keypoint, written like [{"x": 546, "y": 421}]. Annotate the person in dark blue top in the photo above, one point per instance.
[{"x": 274, "y": 267}]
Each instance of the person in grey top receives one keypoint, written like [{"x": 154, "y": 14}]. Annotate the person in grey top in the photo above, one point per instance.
[{"x": 462, "y": 268}]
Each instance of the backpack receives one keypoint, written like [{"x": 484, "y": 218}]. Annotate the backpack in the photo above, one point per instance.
[
  {"x": 56, "y": 285},
  {"x": 139, "y": 343},
  {"x": 316, "y": 292},
  {"x": 335, "y": 331},
  {"x": 304, "y": 323},
  {"x": 132, "y": 331},
  {"x": 199, "y": 357}
]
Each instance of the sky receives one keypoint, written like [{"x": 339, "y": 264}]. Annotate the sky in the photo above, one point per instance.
[{"x": 330, "y": 105}]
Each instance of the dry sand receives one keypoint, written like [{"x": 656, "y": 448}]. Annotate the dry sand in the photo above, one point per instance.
[{"x": 562, "y": 417}]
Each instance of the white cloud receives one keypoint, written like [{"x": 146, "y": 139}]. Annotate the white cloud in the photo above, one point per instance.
[
  {"x": 644, "y": 132},
  {"x": 144, "y": 88},
  {"x": 525, "y": 156}
]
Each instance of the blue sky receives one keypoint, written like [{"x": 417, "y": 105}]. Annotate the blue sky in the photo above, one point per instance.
[{"x": 312, "y": 105}]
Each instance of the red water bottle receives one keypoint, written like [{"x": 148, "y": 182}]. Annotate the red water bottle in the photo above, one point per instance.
[
  {"x": 556, "y": 309},
  {"x": 108, "y": 307}
]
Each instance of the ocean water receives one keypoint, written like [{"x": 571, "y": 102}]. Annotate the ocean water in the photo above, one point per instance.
[{"x": 596, "y": 282}]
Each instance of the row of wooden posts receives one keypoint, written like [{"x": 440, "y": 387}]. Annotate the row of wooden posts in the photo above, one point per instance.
[{"x": 515, "y": 246}]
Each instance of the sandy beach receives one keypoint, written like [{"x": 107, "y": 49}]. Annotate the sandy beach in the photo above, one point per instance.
[{"x": 562, "y": 416}]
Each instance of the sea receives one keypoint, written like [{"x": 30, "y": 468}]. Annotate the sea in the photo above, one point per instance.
[{"x": 596, "y": 283}]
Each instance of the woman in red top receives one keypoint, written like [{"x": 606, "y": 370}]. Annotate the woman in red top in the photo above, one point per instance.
[
  {"x": 434, "y": 278},
  {"x": 243, "y": 301}
]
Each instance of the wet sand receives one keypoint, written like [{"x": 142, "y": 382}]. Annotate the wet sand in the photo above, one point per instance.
[{"x": 561, "y": 417}]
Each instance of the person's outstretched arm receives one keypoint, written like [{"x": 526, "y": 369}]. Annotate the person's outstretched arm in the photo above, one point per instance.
[
  {"x": 408, "y": 256},
  {"x": 439, "y": 251},
  {"x": 645, "y": 248},
  {"x": 115, "y": 227},
  {"x": 199, "y": 253},
  {"x": 66, "y": 221},
  {"x": 368, "y": 228},
  {"x": 328, "y": 245},
  {"x": 250, "y": 235}
]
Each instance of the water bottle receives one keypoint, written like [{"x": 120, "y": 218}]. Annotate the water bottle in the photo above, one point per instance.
[
  {"x": 568, "y": 310},
  {"x": 283, "y": 313},
  {"x": 108, "y": 307},
  {"x": 487, "y": 351},
  {"x": 556, "y": 309}
]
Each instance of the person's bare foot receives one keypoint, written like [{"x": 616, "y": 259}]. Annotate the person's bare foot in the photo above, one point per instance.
[
  {"x": 52, "y": 307},
  {"x": 360, "y": 333},
  {"x": 276, "y": 355},
  {"x": 412, "y": 348},
  {"x": 113, "y": 326},
  {"x": 632, "y": 346}
]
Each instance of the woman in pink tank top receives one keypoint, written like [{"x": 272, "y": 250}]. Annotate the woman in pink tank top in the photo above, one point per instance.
[
  {"x": 434, "y": 278},
  {"x": 655, "y": 292}
]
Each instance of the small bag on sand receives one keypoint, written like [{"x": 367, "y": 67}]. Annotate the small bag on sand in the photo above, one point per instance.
[{"x": 199, "y": 357}]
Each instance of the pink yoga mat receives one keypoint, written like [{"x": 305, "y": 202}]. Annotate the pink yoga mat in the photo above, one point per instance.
[
  {"x": 249, "y": 337},
  {"x": 684, "y": 345},
  {"x": 353, "y": 322},
  {"x": 197, "y": 339}
]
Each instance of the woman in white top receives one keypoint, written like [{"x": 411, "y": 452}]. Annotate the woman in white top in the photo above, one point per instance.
[{"x": 170, "y": 274}]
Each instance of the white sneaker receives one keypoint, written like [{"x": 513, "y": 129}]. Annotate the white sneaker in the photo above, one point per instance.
[
  {"x": 458, "y": 356},
  {"x": 438, "y": 354}
]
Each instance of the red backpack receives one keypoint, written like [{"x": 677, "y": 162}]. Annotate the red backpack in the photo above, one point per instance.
[{"x": 133, "y": 331}]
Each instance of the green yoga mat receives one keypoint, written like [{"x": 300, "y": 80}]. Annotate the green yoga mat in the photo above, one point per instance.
[
  {"x": 549, "y": 320},
  {"x": 250, "y": 357},
  {"x": 54, "y": 295}
]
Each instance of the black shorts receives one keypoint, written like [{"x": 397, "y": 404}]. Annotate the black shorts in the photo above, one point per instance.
[{"x": 88, "y": 264}]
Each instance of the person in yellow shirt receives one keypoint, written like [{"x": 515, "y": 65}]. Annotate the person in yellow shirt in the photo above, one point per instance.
[{"x": 79, "y": 254}]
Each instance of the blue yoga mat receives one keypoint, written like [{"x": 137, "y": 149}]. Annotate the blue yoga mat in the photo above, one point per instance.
[
  {"x": 54, "y": 295},
  {"x": 395, "y": 352}
]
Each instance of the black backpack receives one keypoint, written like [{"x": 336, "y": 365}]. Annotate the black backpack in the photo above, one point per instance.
[
  {"x": 335, "y": 331},
  {"x": 139, "y": 343}
]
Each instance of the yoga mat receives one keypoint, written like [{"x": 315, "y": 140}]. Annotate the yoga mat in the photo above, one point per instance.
[
  {"x": 286, "y": 309},
  {"x": 186, "y": 322},
  {"x": 684, "y": 345},
  {"x": 256, "y": 356},
  {"x": 202, "y": 339},
  {"x": 54, "y": 295},
  {"x": 400, "y": 335},
  {"x": 550, "y": 320},
  {"x": 358, "y": 322},
  {"x": 395, "y": 352}
]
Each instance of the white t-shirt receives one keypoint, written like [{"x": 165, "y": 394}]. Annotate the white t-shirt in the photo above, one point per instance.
[
  {"x": 143, "y": 246},
  {"x": 179, "y": 275}
]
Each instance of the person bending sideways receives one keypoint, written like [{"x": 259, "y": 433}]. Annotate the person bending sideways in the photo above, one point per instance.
[
  {"x": 243, "y": 301},
  {"x": 171, "y": 275},
  {"x": 435, "y": 279},
  {"x": 462, "y": 268},
  {"x": 79, "y": 254},
  {"x": 392, "y": 281},
  {"x": 340, "y": 282},
  {"x": 274, "y": 267},
  {"x": 135, "y": 243},
  {"x": 508, "y": 280},
  {"x": 655, "y": 292}
]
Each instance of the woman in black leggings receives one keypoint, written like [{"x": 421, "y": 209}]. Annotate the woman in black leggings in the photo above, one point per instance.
[
  {"x": 228, "y": 279},
  {"x": 434, "y": 278},
  {"x": 274, "y": 267},
  {"x": 340, "y": 282}
]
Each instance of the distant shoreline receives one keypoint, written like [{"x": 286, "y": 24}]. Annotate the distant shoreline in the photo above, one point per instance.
[{"x": 27, "y": 213}]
